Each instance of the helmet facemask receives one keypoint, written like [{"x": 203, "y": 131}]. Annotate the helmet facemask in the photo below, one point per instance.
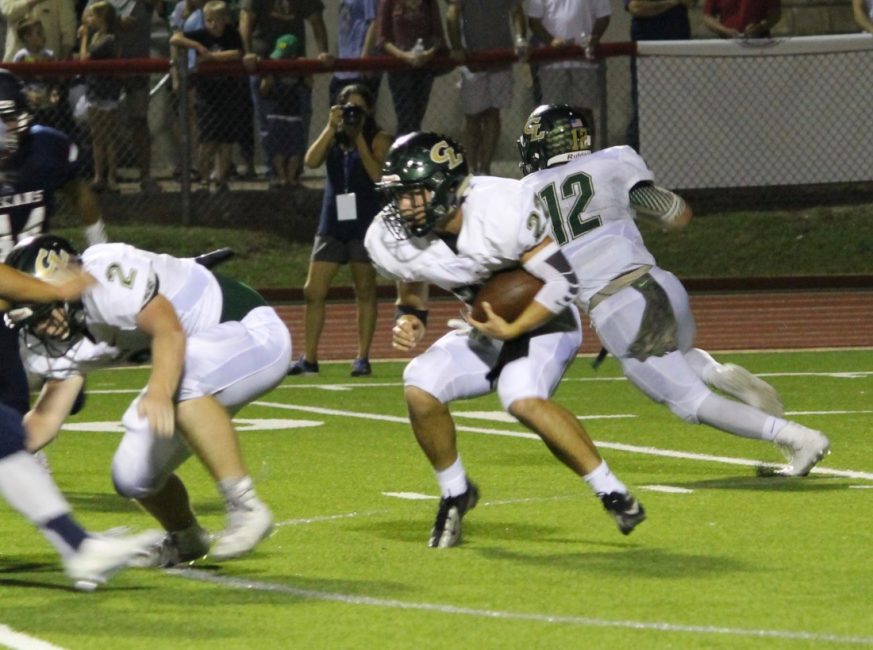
[
  {"x": 416, "y": 209},
  {"x": 50, "y": 329}
]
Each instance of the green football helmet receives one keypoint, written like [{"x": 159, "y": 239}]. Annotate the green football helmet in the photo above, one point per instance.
[
  {"x": 58, "y": 326},
  {"x": 418, "y": 163},
  {"x": 553, "y": 135}
]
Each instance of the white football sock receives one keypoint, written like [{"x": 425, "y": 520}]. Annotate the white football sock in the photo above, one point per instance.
[
  {"x": 738, "y": 418},
  {"x": 603, "y": 481},
  {"x": 453, "y": 479}
]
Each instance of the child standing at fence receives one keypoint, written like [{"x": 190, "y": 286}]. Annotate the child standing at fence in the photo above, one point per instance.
[
  {"x": 42, "y": 97},
  {"x": 98, "y": 41},
  {"x": 284, "y": 102},
  {"x": 221, "y": 99}
]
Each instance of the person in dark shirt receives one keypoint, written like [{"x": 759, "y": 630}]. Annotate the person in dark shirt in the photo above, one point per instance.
[
  {"x": 285, "y": 99},
  {"x": 653, "y": 20},
  {"x": 36, "y": 162},
  {"x": 98, "y": 41},
  {"x": 352, "y": 148},
  {"x": 223, "y": 103}
]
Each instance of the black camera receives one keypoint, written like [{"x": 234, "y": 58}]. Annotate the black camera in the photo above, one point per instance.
[{"x": 353, "y": 115}]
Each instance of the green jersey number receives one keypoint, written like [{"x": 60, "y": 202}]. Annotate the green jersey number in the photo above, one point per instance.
[
  {"x": 571, "y": 226},
  {"x": 115, "y": 272}
]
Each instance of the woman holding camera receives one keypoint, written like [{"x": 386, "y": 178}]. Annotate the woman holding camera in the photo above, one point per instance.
[{"x": 352, "y": 147}]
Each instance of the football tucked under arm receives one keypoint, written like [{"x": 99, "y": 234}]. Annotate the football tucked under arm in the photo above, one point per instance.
[
  {"x": 508, "y": 292},
  {"x": 663, "y": 207}
]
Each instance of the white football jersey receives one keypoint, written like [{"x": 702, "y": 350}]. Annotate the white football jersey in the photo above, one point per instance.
[
  {"x": 502, "y": 220},
  {"x": 128, "y": 278},
  {"x": 588, "y": 203}
]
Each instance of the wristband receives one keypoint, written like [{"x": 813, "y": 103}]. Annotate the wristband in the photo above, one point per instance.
[{"x": 403, "y": 310}]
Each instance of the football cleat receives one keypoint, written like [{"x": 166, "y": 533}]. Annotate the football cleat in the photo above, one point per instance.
[
  {"x": 181, "y": 547},
  {"x": 803, "y": 447},
  {"x": 447, "y": 527},
  {"x": 303, "y": 367},
  {"x": 739, "y": 383},
  {"x": 99, "y": 557},
  {"x": 627, "y": 511},
  {"x": 361, "y": 368},
  {"x": 249, "y": 521}
]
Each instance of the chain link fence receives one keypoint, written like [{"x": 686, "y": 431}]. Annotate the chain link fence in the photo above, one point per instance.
[{"x": 718, "y": 123}]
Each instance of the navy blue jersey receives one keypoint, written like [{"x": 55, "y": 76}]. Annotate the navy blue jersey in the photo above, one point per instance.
[{"x": 47, "y": 161}]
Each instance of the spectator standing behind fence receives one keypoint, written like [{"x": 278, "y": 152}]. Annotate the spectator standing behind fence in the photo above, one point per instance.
[
  {"x": 134, "y": 38},
  {"x": 187, "y": 16},
  {"x": 742, "y": 18},
  {"x": 353, "y": 148},
  {"x": 560, "y": 23},
  {"x": 58, "y": 20},
  {"x": 222, "y": 100},
  {"x": 98, "y": 41},
  {"x": 284, "y": 96},
  {"x": 356, "y": 38},
  {"x": 471, "y": 27},
  {"x": 43, "y": 97},
  {"x": 412, "y": 31},
  {"x": 653, "y": 20},
  {"x": 863, "y": 12},
  {"x": 261, "y": 22}
]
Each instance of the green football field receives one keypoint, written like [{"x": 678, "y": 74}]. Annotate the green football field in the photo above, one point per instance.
[{"x": 725, "y": 560}]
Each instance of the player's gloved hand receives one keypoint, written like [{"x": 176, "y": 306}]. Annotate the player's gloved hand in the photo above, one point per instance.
[{"x": 408, "y": 331}]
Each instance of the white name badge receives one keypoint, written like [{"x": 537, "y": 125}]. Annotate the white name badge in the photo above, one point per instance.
[{"x": 346, "y": 207}]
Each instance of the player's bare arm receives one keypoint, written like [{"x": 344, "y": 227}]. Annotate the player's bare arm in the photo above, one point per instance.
[
  {"x": 560, "y": 287},
  {"x": 159, "y": 321},
  {"x": 43, "y": 422},
  {"x": 410, "y": 321},
  {"x": 663, "y": 207},
  {"x": 18, "y": 287}
]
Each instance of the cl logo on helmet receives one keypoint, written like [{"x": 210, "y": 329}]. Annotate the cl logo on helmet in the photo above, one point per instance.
[
  {"x": 532, "y": 128},
  {"x": 47, "y": 262},
  {"x": 442, "y": 152}
]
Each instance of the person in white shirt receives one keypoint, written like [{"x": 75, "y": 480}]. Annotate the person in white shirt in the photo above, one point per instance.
[
  {"x": 214, "y": 346},
  {"x": 640, "y": 311},
  {"x": 445, "y": 227},
  {"x": 559, "y": 23}
]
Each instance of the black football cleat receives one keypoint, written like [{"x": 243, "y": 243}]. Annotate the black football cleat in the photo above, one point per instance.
[
  {"x": 447, "y": 527},
  {"x": 628, "y": 512}
]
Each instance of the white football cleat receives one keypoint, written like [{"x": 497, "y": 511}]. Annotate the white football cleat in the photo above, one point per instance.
[
  {"x": 739, "y": 383},
  {"x": 101, "y": 556},
  {"x": 249, "y": 522},
  {"x": 803, "y": 446}
]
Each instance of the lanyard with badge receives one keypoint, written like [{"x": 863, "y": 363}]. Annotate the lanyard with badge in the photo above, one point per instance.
[{"x": 346, "y": 205}]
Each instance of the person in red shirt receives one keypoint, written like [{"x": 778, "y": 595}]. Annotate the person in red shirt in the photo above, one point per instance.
[{"x": 742, "y": 18}]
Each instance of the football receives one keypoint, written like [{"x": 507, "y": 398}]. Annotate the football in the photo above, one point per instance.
[{"x": 508, "y": 292}]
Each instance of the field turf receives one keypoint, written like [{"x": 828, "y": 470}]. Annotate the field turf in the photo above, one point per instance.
[{"x": 725, "y": 560}]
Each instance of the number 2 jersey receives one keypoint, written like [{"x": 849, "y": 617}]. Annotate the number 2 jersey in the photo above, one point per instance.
[
  {"x": 502, "y": 220},
  {"x": 47, "y": 161},
  {"x": 588, "y": 203}
]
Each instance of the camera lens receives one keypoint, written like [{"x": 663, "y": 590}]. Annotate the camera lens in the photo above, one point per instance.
[{"x": 352, "y": 114}]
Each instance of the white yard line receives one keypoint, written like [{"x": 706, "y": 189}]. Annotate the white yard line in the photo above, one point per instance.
[
  {"x": 637, "y": 449},
  {"x": 9, "y": 638},
  {"x": 535, "y": 617}
]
